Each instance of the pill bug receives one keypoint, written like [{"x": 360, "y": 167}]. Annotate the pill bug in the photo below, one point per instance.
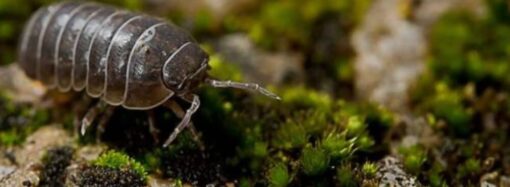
[{"x": 123, "y": 58}]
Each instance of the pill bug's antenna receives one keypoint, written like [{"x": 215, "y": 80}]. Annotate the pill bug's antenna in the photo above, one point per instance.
[{"x": 241, "y": 85}]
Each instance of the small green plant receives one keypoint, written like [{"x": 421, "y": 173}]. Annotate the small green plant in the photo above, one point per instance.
[
  {"x": 178, "y": 182},
  {"x": 364, "y": 142},
  {"x": 338, "y": 145},
  {"x": 369, "y": 169},
  {"x": 435, "y": 175},
  {"x": 355, "y": 125},
  {"x": 414, "y": 157},
  {"x": 290, "y": 135},
  {"x": 17, "y": 121},
  {"x": 345, "y": 176},
  {"x": 314, "y": 121},
  {"x": 471, "y": 166},
  {"x": 314, "y": 161},
  {"x": 300, "y": 97},
  {"x": 278, "y": 175},
  {"x": 10, "y": 138},
  {"x": 117, "y": 160},
  {"x": 224, "y": 70}
]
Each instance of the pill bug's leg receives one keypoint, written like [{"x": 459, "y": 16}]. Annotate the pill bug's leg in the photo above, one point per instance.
[
  {"x": 152, "y": 125},
  {"x": 241, "y": 85},
  {"x": 91, "y": 116},
  {"x": 195, "y": 103},
  {"x": 79, "y": 111},
  {"x": 179, "y": 112},
  {"x": 103, "y": 121}
]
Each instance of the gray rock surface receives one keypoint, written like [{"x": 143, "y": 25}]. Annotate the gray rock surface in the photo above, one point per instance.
[
  {"x": 18, "y": 86},
  {"x": 390, "y": 54},
  {"x": 258, "y": 65},
  {"x": 28, "y": 156},
  {"x": 390, "y": 172}
]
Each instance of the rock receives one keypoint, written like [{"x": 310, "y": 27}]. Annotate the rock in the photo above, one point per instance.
[
  {"x": 390, "y": 172},
  {"x": 90, "y": 152},
  {"x": 158, "y": 182},
  {"x": 487, "y": 184},
  {"x": 25, "y": 176},
  {"x": 16, "y": 85},
  {"x": 258, "y": 65},
  {"x": 489, "y": 179},
  {"x": 504, "y": 181},
  {"x": 390, "y": 55},
  {"x": 35, "y": 145},
  {"x": 6, "y": 170},
  {"x": 28, "y": 156}
]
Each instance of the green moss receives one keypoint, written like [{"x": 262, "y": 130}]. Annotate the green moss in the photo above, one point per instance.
[
  {"x": 313, "y": 121},
  {"x": 294, "y": 21},
  {"x": 151, "y": 160},
  {"x": 365, "y": 142},
  {"x": 498, "y": 10},
  {"x": 183, "y": 141},
  {"x": 224, "y": 70},
  {"x": 314, "y": 161},
  {"x": 344, "y": 70},
  {"x": 413, "y": 158},
  {"x": 178, "y": 183},
  {"x": 468, "y": 59},
  {"x": 470, "y": 167},
  {"x": 10, "y": 138},
  {"x": 244, "y": 182},
  {"x": 301, "y": 97},
  {"x": 117, "y": 160},
  {"x": 467, "y": 64},
  {"x": 345, "y": 176},
  {"x": 435, "y": 175},
  {"x": 459, "y": 46},
  {"x": 17, "y": 121},
  {"x": 290, "y": 135},
  {"x": 6, "y": 30},
  {"x": 369, "y": 169},
  {"x": 260, "y": 149},
  {"x": 355, "y": 125},
  {"x": 448, "y": 104},
  {"x": 278, "y": 175},
  {"x": 338, "y": 145},
  {"x": 252, "y": 144}
]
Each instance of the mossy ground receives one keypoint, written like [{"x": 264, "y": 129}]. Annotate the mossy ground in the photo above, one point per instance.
[
  {"x": 55, "y": 162},
  {"x": 319, "y": 134}
]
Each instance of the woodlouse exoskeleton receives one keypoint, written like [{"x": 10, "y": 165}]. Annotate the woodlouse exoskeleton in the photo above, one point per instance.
[{"x": 123, "y": 58}]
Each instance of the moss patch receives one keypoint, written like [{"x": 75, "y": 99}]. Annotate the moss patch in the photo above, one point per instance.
[
  {"x": 120, "y": 161},
  {"x": 106, "y": 176},
  {"x": 55, "y": 162}
]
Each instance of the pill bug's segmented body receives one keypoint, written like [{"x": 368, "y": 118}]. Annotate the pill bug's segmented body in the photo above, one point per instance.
[
  {"x": 114, "y": 54},
  {"x": 124, "y": 58}
]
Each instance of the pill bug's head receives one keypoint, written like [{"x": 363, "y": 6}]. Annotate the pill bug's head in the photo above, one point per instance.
[{"x": 186, "y": 68}]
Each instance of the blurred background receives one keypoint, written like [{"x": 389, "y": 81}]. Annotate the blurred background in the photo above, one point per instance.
[{"x": 375, "y": 92}]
